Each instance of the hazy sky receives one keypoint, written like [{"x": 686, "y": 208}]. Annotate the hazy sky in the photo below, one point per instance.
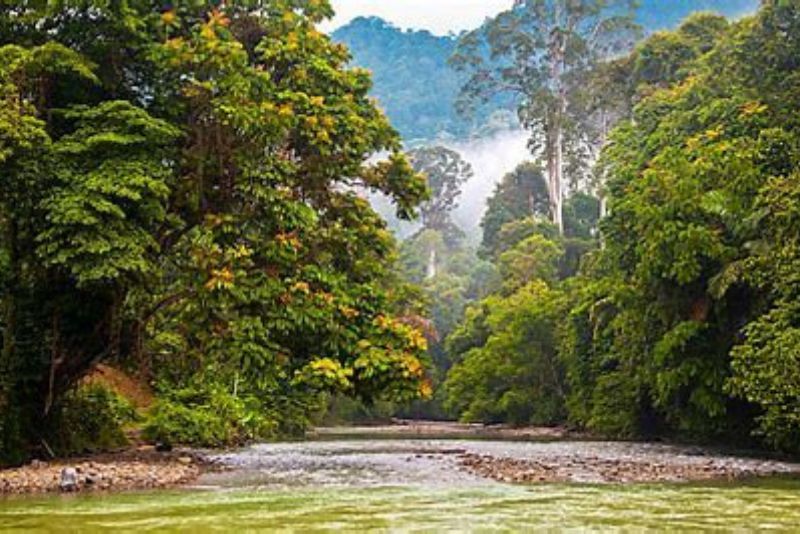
[{"x": 438, "y": 16}]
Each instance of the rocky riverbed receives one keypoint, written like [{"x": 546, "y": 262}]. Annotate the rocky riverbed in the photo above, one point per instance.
[
  {"x": 136, "y": 469},
  {"x": 397, "y": 456},
  {"x": 467, "y": 463},
  {"x": 571, "y": 468}
]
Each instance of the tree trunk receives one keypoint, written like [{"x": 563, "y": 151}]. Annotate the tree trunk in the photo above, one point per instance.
[
  {"x": 56, "y": 359},
  {"x": 432, "y": 268},
  {"x": 557, "y": 195},
  {"x": 556, "y": 157}
]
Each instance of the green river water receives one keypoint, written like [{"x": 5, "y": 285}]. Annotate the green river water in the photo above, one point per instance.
[{"x": 396, "y": 486}]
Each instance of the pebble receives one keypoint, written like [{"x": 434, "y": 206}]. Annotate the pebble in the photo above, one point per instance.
[
  {"x": 128, "y": 470},
  {"x": 560, "y": 469}
]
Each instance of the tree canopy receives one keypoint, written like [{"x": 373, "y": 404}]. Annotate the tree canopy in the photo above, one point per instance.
[
  {"x": 684, "y": 321},
  {"x": 179, "y": 193}
]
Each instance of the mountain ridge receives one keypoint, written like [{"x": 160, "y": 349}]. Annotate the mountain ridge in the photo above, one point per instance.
[{"x": 417, "y": 88}]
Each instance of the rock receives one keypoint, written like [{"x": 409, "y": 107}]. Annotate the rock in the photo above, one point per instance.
[
  {"x": 69, "y": 480},
  {"x": 185, "y": 460},
  {"x": 163, "y": 447}
]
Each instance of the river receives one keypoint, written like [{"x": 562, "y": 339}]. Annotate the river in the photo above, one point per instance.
[{"x": 417, "y": 485}]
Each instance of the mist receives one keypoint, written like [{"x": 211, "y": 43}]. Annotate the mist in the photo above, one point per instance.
[{"x": 491, "y": 158}]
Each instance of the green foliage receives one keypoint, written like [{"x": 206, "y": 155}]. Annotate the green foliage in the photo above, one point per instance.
[
  {"x": 581, "y": 216},
  {"x": 519, "y": 195},
  {"x": 177, "y": 193},
  {"x": 534, "y": 258},
  {"x": 685, "y": 321},
  {"x": 665, "y": 58},
  {"x": 110, "y": 194},
  {"x": 512, "y": 375},
  {"x": 684, "y": 302},
  {"x": 209, "y": 416},
  {"x": 91, "y": 418},
  {"x": 765, "y": 373}
]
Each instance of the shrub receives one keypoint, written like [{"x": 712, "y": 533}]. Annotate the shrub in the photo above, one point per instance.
[
  {"x": 210, "y": 417},
  {"x": 91, "y": 418}
]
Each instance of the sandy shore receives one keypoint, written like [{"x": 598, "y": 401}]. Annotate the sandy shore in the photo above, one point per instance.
[{"x": 136, "y": 469}]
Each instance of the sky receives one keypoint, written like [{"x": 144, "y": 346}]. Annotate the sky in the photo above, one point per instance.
[{"x": 438, "y": 16}]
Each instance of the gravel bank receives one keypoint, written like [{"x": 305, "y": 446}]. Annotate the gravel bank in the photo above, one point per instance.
[
  {"x": 659, "y": 466},
  {"x": 138, "y": 469}
]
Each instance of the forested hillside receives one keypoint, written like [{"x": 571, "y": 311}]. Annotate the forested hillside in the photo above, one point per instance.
[
  {"x": 677, "y": 313},
  {"x": 411, "y": 76},
  {"x": 183, "y": 199},
  {"x": 418, "y": 90}
]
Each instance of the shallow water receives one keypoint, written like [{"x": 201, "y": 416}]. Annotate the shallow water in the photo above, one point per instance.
[{"x": 407, "y": 485}]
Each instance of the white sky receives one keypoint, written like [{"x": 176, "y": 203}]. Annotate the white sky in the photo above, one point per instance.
[{"x": 438, "y": 16}]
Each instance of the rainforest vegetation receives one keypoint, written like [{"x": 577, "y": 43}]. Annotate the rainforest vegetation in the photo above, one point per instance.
[
  {"x": 676, "y": 312},
  {"x": 180, "y": 196},
  {"x": 417, "y": 88},
  {"x": 184, "y": 195}
]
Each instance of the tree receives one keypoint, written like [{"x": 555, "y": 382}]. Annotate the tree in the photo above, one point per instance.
[
  {"x": 446, "y": 173},
  {"x": 543, "y": 51},
  {"x": 178, "y": 194},
  {"x": 519, "y": 195},
  {"x": 506, "y": 365},
  {"x": 79, "y": 208},
  {"x": 692, "y": 297}
]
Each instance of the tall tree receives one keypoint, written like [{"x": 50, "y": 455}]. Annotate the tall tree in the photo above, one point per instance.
[
  {"x": 194, "y": 167},
  {"x": 446, "y": 172},
  {"x": 543, "y": 51},
  {"x": 521, "y": 194}
]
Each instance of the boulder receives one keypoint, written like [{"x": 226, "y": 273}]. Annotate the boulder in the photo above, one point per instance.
[{"x": 69, "y": 479}]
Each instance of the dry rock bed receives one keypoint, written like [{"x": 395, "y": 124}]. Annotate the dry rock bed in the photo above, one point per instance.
[
  {"x": 612, "y": 463},
  {"x": 136, "y": 469}
]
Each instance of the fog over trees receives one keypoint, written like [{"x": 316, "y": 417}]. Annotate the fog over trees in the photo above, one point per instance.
[{"x": 582, "y": 214}]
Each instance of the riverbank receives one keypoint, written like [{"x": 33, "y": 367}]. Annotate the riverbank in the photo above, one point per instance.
[
  {"x": 141, "y": 468},
  {"x": 406, "y": 428},
  {"x": 675, "y": 466},
  {"x": 403, "y": 452},
  {"x": 373, "y": 485}
]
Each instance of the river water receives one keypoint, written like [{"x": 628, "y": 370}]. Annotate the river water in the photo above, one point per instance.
[{"x": 416, "y": 485}]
